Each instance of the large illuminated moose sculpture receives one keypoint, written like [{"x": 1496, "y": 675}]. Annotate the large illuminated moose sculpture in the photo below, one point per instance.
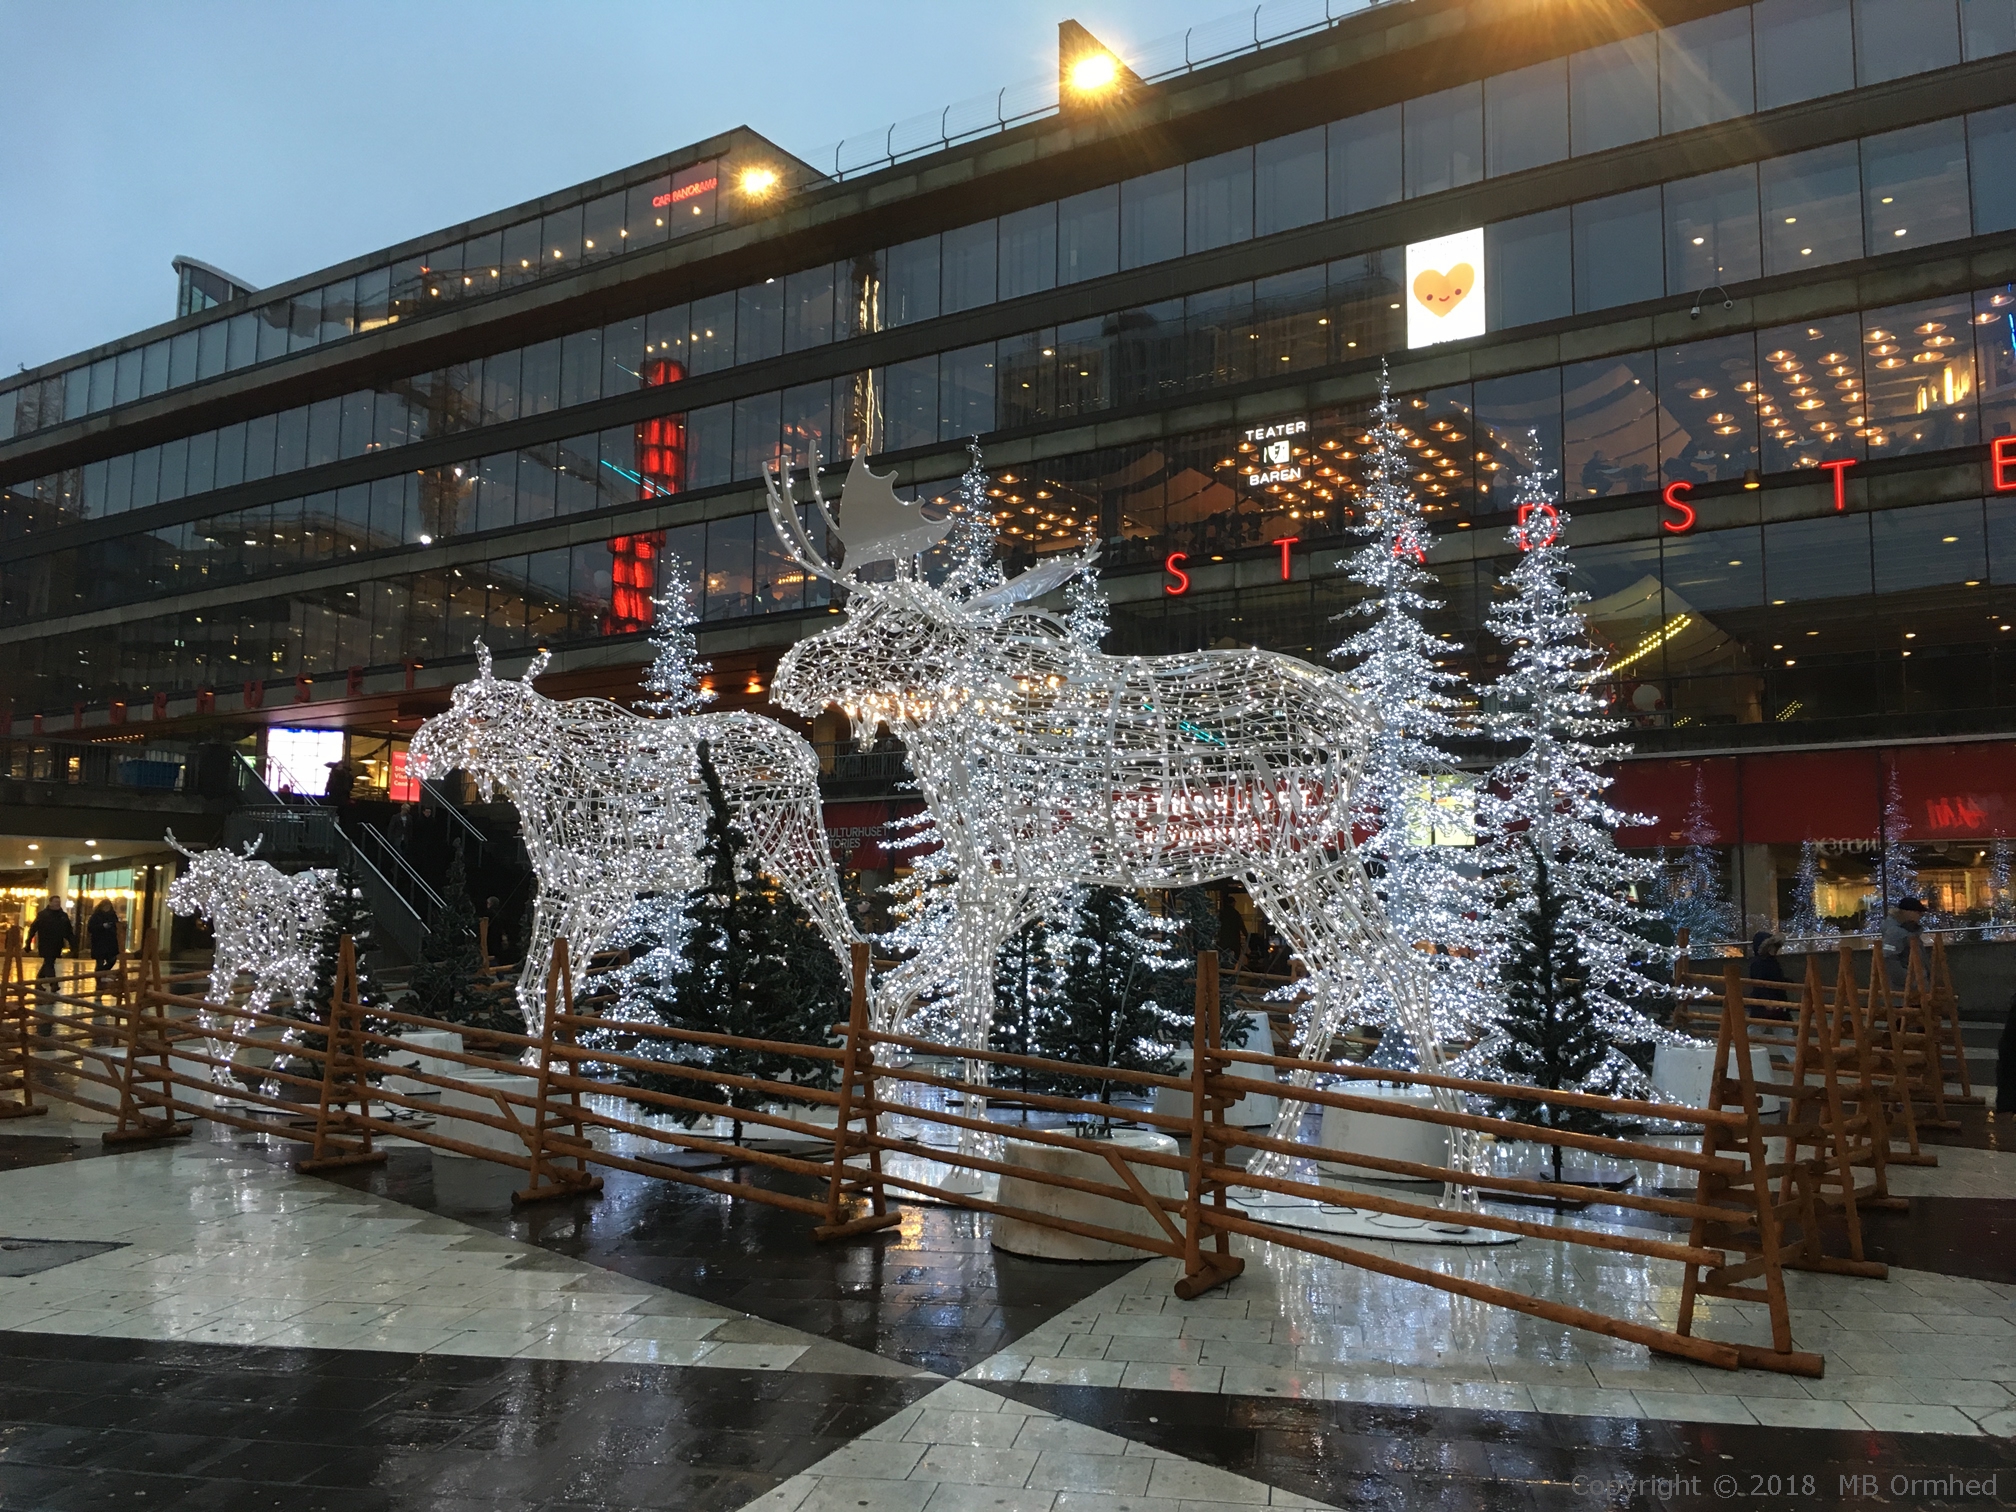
[
  {"x": 613, "y": 806},
  {"x": 1046, "y": 764}
]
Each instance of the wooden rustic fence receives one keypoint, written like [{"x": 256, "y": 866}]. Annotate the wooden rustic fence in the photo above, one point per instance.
[{"x": 153, "y": 1055}]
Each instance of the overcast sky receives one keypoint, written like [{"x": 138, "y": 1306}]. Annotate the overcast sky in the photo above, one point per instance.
[{"x": 275, "y": 137}]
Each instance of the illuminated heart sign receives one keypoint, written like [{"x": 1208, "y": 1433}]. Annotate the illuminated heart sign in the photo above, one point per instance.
[
  {"x": 1446, "y": 277},
  {"x": 1440, "y": 292}
]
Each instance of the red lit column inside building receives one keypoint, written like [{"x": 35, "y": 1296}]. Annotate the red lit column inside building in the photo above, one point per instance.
[{"x": 661, "y": 471}]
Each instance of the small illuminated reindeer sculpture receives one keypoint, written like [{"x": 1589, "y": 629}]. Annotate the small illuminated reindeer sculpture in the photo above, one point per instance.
[
  {"x": 264, "y": 923},
  {"x": 614, "y": 808},
  {"x": 1046, "y": 764}
]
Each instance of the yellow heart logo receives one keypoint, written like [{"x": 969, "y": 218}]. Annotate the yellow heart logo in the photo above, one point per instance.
[{"x": 1440, "y": 293}]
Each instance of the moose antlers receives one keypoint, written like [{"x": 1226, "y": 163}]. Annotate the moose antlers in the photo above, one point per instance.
[{"x": 880, "y": 526}]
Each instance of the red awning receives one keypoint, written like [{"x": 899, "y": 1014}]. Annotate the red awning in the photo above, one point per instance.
[{"x": 1948, "y": 792}]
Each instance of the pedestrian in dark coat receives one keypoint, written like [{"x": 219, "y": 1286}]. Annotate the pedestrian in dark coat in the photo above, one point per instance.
[
  {"x": 102, "y": 932},
  {"x": 51, "y": 934}
]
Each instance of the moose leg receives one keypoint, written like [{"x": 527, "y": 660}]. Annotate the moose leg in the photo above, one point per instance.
[
  {"x": 791, "y": 846},
  {"x": 1330, "y": 917},
  {"x": 538, "y": 959}
]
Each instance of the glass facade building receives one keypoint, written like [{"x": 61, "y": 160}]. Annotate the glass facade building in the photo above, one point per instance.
[{"x": 1749, "y": 294}]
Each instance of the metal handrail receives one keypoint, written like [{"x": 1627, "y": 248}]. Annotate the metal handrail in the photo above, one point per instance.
[
  {"x": 415, "y": 884},
  {"x": 1044, "y": 88}
]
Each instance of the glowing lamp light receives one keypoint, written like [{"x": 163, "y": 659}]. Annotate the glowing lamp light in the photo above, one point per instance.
[
  {"x": 1094, "y": 72},
  {"x": 758, "y": 182}
]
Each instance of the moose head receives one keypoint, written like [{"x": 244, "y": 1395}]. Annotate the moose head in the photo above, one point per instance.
[
  {"x": 482, "y": 732},
  {"x": 905, "y": 647}
]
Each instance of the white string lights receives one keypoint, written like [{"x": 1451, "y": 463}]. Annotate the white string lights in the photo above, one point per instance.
[
  {"x": 1046, "y": 763},
  {"x": 264, "y": 923},
  {"x": 613, "y": 807}
]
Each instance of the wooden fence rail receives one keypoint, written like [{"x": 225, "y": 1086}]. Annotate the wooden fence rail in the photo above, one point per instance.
[{"x": 167, "y": 1056}]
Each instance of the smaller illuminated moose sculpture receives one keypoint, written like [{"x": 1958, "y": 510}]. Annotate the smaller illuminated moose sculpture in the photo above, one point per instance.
[
  {"x": 265, "y": 925},
  {"x": 1045, "y": 763},
  {"x": 613, "y": 806}
]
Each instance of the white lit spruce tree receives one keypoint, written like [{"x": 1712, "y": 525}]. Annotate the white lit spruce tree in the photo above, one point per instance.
[
  {"x": 1695, "y": 896},
  {"x": 753, "y": 966},
  {"x": 1897, "y": 877},
  {"x": 972, "y": 544},
  {"x": 654, "y": 931},
  {"x": 1807, "y": 923},
  {"x": 1552, "y": 1035},
  {"x": 2001, "y": 920},
  {"x": 1397, "y": 666},
  {"x": 676, "y": 676},
  {"x": 1544, "y": 816}
]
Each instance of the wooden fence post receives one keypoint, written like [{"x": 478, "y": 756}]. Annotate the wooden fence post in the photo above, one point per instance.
[
  {"x": 148, "y": 1031},
  {"x": 340, "y": 1139},
  {"x": 547, "y": 1178},
  {"x": 1751, "y": 1203},
  {"x": 1945, "y": 1014},
  {"x": 1204, "y": 1269},
  {"x": 857, "y": 1094},
  {"x": 17, "y": 1052}
]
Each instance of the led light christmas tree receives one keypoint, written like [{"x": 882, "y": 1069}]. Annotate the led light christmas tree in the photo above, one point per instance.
[
  {"x": 1547, "y": 820},
  {"x": 1396, "y": 666},
  {"x": 2001, "y": 923},
  {"x": 1897, "y": 875},
  {"x": 1695, "y": 897},
  {"x": 655, "y": 928}
]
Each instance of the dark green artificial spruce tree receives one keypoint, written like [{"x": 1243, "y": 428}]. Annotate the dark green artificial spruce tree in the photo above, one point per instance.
[
  {"x": 348, "y": 915},
  {"x": 753, "y": 966},
  {"x": 1548, "y": 1032},
  {"x": 1028, "y": 978},
  {"x": 450, "y": 983},
  {"x": 1110, "y": 1007}
]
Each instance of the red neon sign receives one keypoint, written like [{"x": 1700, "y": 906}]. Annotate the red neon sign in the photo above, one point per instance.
[
  {"x": 1840, "y": 471},
  {"x": 1284, "y": 543},
  {"x": 1670, "y": 496},
  {"x": 683, "y": 192},
  {"x": 2002, "y": 463},
  {"x": 1528, "y": 539},
  {"x": 1173, "y": 565}
]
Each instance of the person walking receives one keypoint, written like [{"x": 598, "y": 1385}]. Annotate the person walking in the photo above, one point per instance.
[
  {"x": 1766, "y": 967},
  {"x": 102, "y": 932},
  {"x": 50, "y": 934},
  {"x": 1904, "y": 923}
]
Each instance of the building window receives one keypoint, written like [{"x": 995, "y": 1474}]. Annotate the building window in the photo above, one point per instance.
[
  {"x": 1805, "y": 49},
  {"x": 1151, "y": 218},
  {"x": 1444, "y": 140},
  {"x": 1028, "y": 251},
  {"x": 1711, "y": 230},
  {"x": 1614, "y": 94},
  {"x": 1914, "y": 187},
  {"x": 1895, "y": 38},
  {"x": 1531, "y": 269},
  {"x": 1218, "y": 201},
  {"x": 1617, "y": 250},
  {"x": 1288, "y": 182},
  {"x": 1526, "y": 117},
  {"x": 1812, "y": 208},
  {"x": 1088, "y": 235},
  {"x": 1705, "y": 72},
  {"x": 1365, "y": 161}
]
